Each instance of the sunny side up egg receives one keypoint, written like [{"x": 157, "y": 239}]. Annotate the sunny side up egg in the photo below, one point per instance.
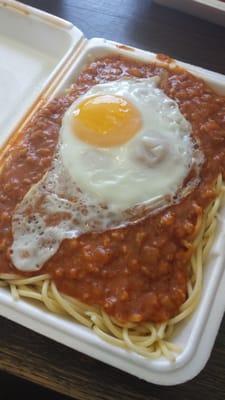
[
  {"x": 123, "y": 146},
  {"x": 120, "y": 140}
]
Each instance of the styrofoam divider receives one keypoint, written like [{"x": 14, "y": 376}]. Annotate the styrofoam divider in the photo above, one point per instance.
[{"x": 197, "y": 334}]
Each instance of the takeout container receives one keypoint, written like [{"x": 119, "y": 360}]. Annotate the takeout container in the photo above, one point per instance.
[
  {"x": 211, "y": 10},
  {"x": 69, "y": 54}
]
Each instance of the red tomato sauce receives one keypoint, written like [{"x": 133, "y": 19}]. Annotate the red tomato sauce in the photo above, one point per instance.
[{"x": 139, "y": 272}]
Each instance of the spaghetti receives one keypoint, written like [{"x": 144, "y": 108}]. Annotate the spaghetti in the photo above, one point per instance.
[
  {"x": 147, "y": 339},
  {"x": 148, "y": 274}
]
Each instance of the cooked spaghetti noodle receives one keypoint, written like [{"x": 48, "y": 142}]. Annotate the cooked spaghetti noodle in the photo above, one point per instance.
[{"x": 147, "y": 339}]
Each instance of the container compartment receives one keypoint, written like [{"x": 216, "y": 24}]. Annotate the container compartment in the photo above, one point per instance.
[{"x": 196, "y": 334}]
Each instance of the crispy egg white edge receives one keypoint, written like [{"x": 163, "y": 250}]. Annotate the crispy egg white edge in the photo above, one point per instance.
[{"x": 41, "y": 241}]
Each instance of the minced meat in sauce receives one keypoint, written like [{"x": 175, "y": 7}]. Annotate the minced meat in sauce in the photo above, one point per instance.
[{"x": 139, "y": 272}]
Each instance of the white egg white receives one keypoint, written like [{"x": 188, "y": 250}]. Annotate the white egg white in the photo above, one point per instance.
[
  {"x": 152, "y": 164},
  {"x": 91, "y": 189}
]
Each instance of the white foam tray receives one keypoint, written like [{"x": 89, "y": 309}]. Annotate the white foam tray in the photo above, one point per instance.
[
  {"x": 198, "y": 333},
  {"x": 211, "y": 10}
]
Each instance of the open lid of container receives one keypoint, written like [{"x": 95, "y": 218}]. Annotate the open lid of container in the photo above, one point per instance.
[{"x": 35, "y": 48}]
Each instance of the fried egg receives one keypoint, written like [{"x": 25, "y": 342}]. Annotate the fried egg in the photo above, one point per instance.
[{"x": 124, "y": 147}]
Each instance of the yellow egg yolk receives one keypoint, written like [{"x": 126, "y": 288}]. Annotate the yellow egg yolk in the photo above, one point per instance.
[{"x": 106, "y": 121}]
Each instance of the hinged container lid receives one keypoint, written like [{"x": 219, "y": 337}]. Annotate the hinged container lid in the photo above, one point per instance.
[{"x": 34, "y": 48}]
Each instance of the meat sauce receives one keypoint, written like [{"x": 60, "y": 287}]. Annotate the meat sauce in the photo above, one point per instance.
[{"x": 139, "y": 272}]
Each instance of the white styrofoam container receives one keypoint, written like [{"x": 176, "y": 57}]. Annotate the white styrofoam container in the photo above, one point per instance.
[
  {"x": 196, "y": 334},
  {"x": 211, "y": 10}
]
